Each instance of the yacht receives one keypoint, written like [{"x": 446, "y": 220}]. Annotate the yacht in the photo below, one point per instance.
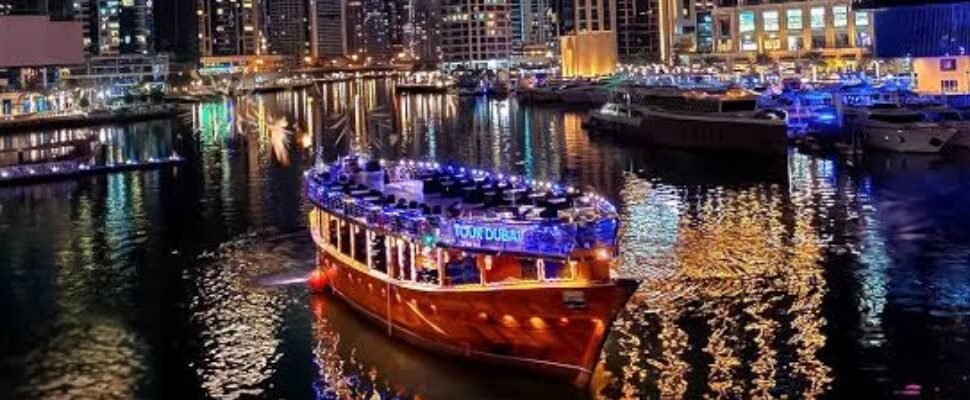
[
  {"x": 901, "y": 130},
  {"x": 615, "y": 117},
  {"x": 482, "y": 266},
  {"x": 691, "y": 119}
]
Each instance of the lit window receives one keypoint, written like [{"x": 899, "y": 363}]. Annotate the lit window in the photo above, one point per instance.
[
  {"x": 771, "y": 20},
  {"x": 748, "y": 43},
  {"x": 840, "y": 16},
  {"x": 818, "y": 17},
  {"x": 794, "y": 19},
  {"x": 861, "y": 18},
  {"x": 746, "y": 22}
]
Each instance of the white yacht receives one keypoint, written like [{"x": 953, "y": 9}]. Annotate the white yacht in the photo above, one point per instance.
[
  {"x": 615, "y": 117},
  {"x": 901, "y": 130}
]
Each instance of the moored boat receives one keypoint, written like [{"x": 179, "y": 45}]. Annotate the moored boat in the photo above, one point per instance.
[
  {"x": 901, "y": 130},
  {"x": 723, "y": 121},
  {"x": 486, "y": 267},
  {"x": 958, "y": 120}
]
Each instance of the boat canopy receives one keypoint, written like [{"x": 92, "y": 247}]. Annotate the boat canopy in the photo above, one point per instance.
[{"x": 452, "y": 206}]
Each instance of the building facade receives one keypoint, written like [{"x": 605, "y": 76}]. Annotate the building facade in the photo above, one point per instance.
[
  {"x": 424, "y": 30},
  {"x": 287, "y": 29},
  {"x": 790, "y": 31},
  {"x": 116, "y": 27},
  {"x": 476, "y": 34},
  {"x": 122, "y": 71},
  {"x": 590, "y": 47},
  {"x": 328, "y": 29},
  {"x": 637, "y": 34},
  {"x": 231, "y": 28}
]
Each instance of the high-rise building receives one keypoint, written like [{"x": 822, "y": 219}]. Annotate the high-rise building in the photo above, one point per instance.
[
  {"x": 110, "y": 27},
  {"x": 590, "y": 48},
  {"x": 533, "y": 27},
  {"x": 594, "y": 15},
  {"x": 683, "y": 28},
  {"x": 423, "y": 30},
  {"x": 637, "y": 33},
  {"x": 328, "y": 29},
  {"x": 231, "y": 27},
  {"x": 287, "y": 28},
  {"x": 476, "y": 33},
  {"x": 790, "y": 30},
  {"x": 369, "y": 32}
]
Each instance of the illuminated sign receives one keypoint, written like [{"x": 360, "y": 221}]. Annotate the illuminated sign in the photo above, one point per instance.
[{"x": 488, "y": 233}]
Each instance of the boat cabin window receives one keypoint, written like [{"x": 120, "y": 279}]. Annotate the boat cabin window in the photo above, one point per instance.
[
  {"x": 461, "y": 269},
  {"x": 333, "y": 236},
  {"x": 360, "y": 244},
  {"x": 556, "y": 270},
  {"x": 378, "y": 251},
  {"x": 344, "y": 237},
  {"x": 898, "y": 118},
  {"x": 510, "y": 269},
  {"x": 426, "y": 265}
]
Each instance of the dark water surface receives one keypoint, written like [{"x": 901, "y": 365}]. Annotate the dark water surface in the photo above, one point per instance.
[{"x": 805, "y": 279}]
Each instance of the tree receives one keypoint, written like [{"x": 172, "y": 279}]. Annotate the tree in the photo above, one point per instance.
[
  {"x": 763, "y": 59},
  {"x": 83, "y": 103},
  {"x": 866, "y": 63}
]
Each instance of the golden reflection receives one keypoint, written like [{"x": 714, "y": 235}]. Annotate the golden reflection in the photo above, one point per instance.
[
  {"x": 239, "y": 323},
  {"x": 733, "y": 291}
]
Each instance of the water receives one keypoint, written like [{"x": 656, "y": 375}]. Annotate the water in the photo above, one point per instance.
[{"x": 807, "y": 278}]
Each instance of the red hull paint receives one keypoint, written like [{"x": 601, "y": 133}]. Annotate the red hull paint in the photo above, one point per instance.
[{"x": 532, "y": 328}]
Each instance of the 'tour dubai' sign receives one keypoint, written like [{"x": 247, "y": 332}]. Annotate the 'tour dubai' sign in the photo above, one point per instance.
[{"x": 488, "y": 233}]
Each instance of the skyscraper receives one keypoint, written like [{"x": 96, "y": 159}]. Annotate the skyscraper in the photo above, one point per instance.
[
  {"x": 231, "y": 27},
  {"x": 590, "y": 48},
  {"x": 637, "y": 34},
  {"x": 533, "y": 23},
  {"x": 328, "y": 29},
  {"x": 287, "y": 28},
  {"x": 476, "y": 33}
]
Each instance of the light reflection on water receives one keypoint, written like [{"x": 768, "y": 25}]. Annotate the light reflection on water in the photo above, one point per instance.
[{"x": 802, "y": 279}]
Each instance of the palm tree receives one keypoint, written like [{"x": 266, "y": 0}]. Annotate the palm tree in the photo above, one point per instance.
[
  {"x": 815, "y": 60},
  {"x": 866, "y": 62}
]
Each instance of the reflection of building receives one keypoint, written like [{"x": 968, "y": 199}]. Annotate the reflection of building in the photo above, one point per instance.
[
  {"x": 231, "y": 27},
  {"x": 790, "y": 30},
  {"x": 476, "y": 33},
  {"x": 590, "y": 48}
]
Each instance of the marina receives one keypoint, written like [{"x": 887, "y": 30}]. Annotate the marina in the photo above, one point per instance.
[{"x": 847, "y": 269}]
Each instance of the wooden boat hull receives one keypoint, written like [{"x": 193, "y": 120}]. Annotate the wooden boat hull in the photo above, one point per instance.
[{"x": 555, "y": 331}]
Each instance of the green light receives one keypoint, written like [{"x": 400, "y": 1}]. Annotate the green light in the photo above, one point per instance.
[{"x": 429, "y": 240}]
